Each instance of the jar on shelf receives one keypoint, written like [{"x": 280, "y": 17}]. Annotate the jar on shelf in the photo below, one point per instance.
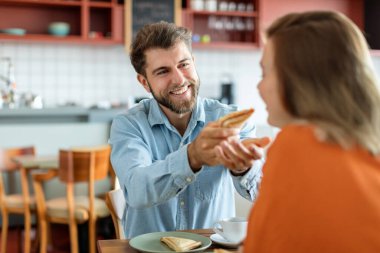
[
  {"x": 197, "y": 5},
  {"x": 211, "y": 5}
]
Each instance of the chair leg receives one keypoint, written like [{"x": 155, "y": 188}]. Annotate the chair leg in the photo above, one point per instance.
[
  {"x": 43, "y": 230},
  {"x": 27, "y": 228},
  {"x": 4, "y": 232},
  {"x": 92, "y": 235},
  {"x": 37, "y": 239},
  {"x": 74, "y": 237}
]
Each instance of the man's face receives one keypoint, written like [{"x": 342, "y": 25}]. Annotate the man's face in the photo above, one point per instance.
[{"x": 171, "y": 77}]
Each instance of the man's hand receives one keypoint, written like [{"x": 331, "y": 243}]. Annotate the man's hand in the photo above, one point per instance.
[
  {"x": 239, "y": 156},
  {"x": 201, "y": 151}
]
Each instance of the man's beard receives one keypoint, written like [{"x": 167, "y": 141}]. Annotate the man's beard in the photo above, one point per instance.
[{"x": 178, "y": 107}]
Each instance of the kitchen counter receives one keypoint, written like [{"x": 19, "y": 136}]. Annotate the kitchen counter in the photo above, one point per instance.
[{"x": 57, "y": 115}]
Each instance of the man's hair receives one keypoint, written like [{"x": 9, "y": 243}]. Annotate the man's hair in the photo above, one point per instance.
[
  {"x": 326, "y": 76},
  {"x": 156, "y": 35}
]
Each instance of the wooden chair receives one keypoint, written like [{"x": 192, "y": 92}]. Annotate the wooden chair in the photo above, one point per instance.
[
  {"x": 116, "y": 204},
  {"x": 14, "y": 203},
  {"x": 74, "y": 167}
]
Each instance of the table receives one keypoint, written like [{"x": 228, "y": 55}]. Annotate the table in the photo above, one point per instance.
[
  {"x": 122, "y": 246},
  {"x": 37, "y": 161}
]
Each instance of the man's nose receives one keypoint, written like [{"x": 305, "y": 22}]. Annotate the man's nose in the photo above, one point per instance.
[{"x": 178, "y": 77}]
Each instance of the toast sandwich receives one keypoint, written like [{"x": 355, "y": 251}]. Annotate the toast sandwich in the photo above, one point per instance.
[
  {"x": 179, "y": 244},
  {"x": 236, "y": 119}
]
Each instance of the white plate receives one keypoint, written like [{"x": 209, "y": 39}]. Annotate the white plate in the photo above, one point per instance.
[
  {"x": 151, "y": 242},
  {"x": 220, "y": 240}
]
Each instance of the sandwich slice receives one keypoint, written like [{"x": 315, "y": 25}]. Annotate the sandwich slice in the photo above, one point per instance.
[
  {"x": 236, "y": 119},
  {"x": 179, "y": 244}
]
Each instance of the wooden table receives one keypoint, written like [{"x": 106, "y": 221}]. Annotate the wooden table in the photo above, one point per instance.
[
  {"x": 122, "y": 246},
  {"x": 37, "y": 161}
]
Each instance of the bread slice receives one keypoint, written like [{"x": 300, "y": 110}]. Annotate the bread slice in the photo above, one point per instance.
[
  {"x": 179, "y": 244},
  {"x": 236, "y": 119}
]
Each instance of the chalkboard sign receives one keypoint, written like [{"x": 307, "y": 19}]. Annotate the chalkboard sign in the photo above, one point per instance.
[{"x": 142, "y": 12}]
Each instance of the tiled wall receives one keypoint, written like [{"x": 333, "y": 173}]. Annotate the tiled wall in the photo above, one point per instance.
[{"x": 86, "y": 75}]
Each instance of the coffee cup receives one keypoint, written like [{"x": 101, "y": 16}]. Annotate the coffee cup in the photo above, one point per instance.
[{"x": 232, "y": 229}]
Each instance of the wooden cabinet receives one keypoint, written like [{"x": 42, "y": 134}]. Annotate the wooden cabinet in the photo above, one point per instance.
[
  {"x": 241, "y": 29},
  {"x": 222, "y": 24},
  {"x": 91, "y": 21}
]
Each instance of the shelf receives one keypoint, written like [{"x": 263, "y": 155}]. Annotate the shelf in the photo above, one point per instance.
[
  {"x": 224, "y": 29},
  {"x": 94, "y": 22},
  {"x": 224, "y": 13},
  {"x": 225, "y": 45},
  {"x": 74, "y": 39},
  {"x": 41, "y": 2},
  {"x": 100, "y": 5}
]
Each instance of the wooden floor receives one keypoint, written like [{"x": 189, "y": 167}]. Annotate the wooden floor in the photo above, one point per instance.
[{"x": 60, "y": 237}]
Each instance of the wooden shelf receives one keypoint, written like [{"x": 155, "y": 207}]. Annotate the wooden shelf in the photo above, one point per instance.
[
  {"x": 74, "y": 39},
  {"x": 226, "y": 29},
  {"x": 41, "y": 2},
  {"x": 225, "y": 45},
  {"x": 224, "y": 13},
  {"x": 100, "y": 4},
  {"x": 102, "y": 19}
]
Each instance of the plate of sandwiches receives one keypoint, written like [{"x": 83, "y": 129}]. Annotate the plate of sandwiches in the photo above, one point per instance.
[{"x": 169, "y": 242}]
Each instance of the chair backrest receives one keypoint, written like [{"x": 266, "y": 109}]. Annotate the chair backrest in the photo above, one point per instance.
[
  {"x": 85, "y": 162},
  {"x": 7, "y": 165},
  {"x": 116, "y": 204},
  {"x": 6, "y": 156}
]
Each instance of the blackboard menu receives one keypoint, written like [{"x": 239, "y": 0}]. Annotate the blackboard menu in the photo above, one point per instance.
[{"x": 150, "y": 11}]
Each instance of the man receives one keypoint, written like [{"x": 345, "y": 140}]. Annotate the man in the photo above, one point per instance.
[{"x": 168, "y": 153}]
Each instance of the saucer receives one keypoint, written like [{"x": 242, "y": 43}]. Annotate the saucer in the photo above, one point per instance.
[{"x": 220, "y": 240}]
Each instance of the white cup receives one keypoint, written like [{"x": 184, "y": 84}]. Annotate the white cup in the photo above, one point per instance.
[{"x": 232, "y": 229}]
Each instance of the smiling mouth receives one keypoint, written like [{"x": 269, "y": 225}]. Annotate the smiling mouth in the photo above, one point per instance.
[{"x": 181, "y": 90}]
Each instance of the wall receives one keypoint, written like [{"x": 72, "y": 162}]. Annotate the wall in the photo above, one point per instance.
[{"x": 86, "y": 75}]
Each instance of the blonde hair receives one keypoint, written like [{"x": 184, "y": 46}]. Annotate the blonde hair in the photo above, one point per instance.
[{"x": 327, "y": 78}]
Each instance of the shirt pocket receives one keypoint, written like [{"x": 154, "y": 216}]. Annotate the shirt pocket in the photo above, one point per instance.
[{"x": 208, "y": 183}]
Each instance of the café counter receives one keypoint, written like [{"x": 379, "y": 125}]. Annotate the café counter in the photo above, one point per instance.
[{"x": 69, "y": 114}]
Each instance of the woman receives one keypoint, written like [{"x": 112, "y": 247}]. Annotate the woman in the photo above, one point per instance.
[{"x": 321, "y": 185}]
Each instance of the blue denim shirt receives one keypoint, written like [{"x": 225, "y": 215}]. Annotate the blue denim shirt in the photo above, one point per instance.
[{"x": 162, "y": 193}]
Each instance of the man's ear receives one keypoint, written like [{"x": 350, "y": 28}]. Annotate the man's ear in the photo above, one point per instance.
[{"x": 144, "y": 82}]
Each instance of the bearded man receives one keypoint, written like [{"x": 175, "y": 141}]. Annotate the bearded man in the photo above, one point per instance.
[{"x": 164, "y": 150}]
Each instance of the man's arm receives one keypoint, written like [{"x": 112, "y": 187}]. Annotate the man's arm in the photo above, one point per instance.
[
  {"x": 148, "y": 182},
  {"x": 145, "y": 180}
]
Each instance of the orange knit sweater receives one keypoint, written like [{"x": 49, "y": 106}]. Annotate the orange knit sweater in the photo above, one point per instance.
[{"x": 315, "y": 197}]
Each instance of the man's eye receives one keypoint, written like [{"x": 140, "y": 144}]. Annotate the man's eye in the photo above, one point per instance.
[
  {"x": 184, "y": 65},
  {"x": 162, "y": 72}
]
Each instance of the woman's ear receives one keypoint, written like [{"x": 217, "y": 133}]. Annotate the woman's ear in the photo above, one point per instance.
[{"x": 144, "y": 82}]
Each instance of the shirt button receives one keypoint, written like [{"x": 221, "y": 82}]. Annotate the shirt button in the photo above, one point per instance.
[
  {"x": 182, "y": 203},
  {"x": 188, "y": 180}
]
